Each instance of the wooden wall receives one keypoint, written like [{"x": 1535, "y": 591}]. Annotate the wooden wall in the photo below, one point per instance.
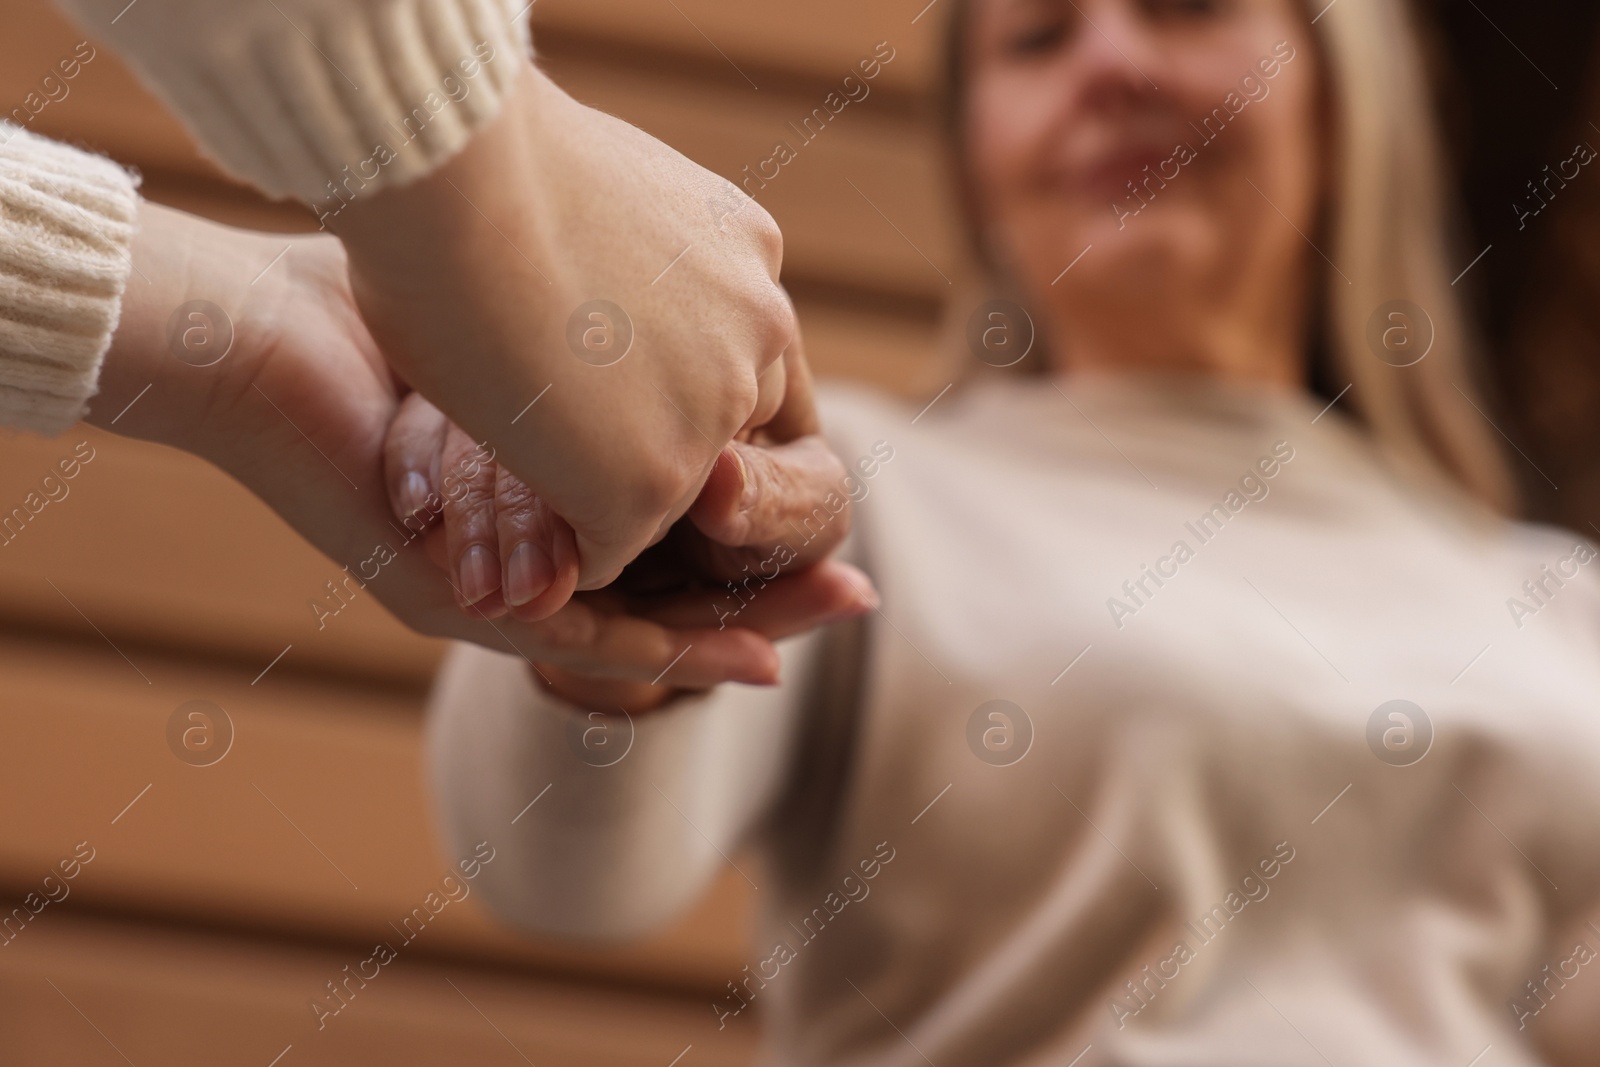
[{"x": 221, "y": 899}]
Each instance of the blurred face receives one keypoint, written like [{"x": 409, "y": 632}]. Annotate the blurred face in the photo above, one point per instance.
[{"x": 1179, "y": 142}]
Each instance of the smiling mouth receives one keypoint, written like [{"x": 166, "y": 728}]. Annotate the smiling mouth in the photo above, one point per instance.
[{"x": 1109, "y": 174}]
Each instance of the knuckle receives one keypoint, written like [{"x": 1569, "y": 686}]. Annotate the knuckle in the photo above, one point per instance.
[
  {"x": 777, "y": 325},
  {"x": 768, "y": 238},
  {"x": 652, "y": 490},
  {"x": 662, "y": 483},
  {"x": 473, "y": 519},
  {"x": 514, "y": 501},
  {"x": 776, "y": 483},
  {"x": 742, "y": 398},
  {"x": 473, "y": 499}
]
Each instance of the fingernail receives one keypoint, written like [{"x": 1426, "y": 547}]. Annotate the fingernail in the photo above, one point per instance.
[
  {"x": 413, "y": 494},
  {"x": 855, "y": 611},
  {"x": 528, "y": 573},
  {"x": 866, "y": 589},
  {"x": 477, "y": 575},
  {"x": 763, "y": 673},
  {"x": 747, "y": 491}
]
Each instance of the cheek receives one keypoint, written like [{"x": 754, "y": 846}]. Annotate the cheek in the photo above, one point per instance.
[
  {"x": 1275, "y": 142},
  {"x": 1009, "y": 124},
  {"x": 1288, "y": 141}
]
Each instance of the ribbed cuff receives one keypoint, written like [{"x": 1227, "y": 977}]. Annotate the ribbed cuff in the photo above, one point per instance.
[
  {"x": 325, "y": 100},
  {"x": 66, "y": 230}
]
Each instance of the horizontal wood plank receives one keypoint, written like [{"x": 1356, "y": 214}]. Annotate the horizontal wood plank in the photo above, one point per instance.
[
  {"x": 863, "y": 203},
  {"x": 315, "y": 822},
  {"x": 747, "y": 42},
  {"x": 88, "y": 993},
  {"x": 155, "y": 548}
]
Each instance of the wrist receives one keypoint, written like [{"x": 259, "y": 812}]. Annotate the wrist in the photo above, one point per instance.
[
  {"x": 393, "y": 232},
  {"x": 140, "y": 394},
  {"x": 191, "y": 334}
]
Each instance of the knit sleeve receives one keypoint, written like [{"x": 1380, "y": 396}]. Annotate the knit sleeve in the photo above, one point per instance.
[
  {"x": 321, "y": 100},
  {"x": 641, "y": 813},
  {"x": 66, "y": 228}
]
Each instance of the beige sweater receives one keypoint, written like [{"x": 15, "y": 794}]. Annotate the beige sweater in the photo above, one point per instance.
[{"x": 1198, "y": 833}]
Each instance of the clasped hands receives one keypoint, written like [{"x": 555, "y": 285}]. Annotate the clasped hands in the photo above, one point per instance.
[{"x": 620, "y": 500}]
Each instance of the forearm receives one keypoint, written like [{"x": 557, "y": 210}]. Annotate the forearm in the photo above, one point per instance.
[
  {"x": 630, "y": 829},
  {"x": 409, "y": 246}
]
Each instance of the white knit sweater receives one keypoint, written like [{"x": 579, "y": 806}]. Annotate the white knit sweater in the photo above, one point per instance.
[
  {"x": 66, "y": 230},
  {"x": 297, "y": 96}
]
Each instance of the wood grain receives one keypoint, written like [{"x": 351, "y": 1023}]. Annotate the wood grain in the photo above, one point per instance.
[
  {"x": 315, "y": 823},
  {"x": 88, "y": 992}
]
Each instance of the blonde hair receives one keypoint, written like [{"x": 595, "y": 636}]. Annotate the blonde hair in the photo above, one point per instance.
[{"x": 1387, "y": 226}]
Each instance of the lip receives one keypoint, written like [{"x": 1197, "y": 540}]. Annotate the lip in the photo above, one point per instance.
[{"x": 1108, "y": 174}]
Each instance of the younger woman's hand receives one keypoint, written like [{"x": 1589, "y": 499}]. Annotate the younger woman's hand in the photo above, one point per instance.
[{"x": 565, "y": 251}]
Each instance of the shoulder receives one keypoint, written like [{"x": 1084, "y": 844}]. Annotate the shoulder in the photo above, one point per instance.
[
  {"x": 1537, "y": 548},
  {"x": 1552, "y": 573}
]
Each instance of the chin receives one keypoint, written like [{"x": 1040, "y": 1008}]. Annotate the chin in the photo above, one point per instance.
[{"x": 1146, "y": 255}]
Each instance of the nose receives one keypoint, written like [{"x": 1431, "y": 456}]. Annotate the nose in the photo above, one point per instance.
[{"x": 1112, "y": 50}]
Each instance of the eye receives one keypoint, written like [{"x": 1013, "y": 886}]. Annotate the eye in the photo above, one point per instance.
[
  {"x": 1036, "y": 36},
  {"x": 1186, "y": 8}
]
